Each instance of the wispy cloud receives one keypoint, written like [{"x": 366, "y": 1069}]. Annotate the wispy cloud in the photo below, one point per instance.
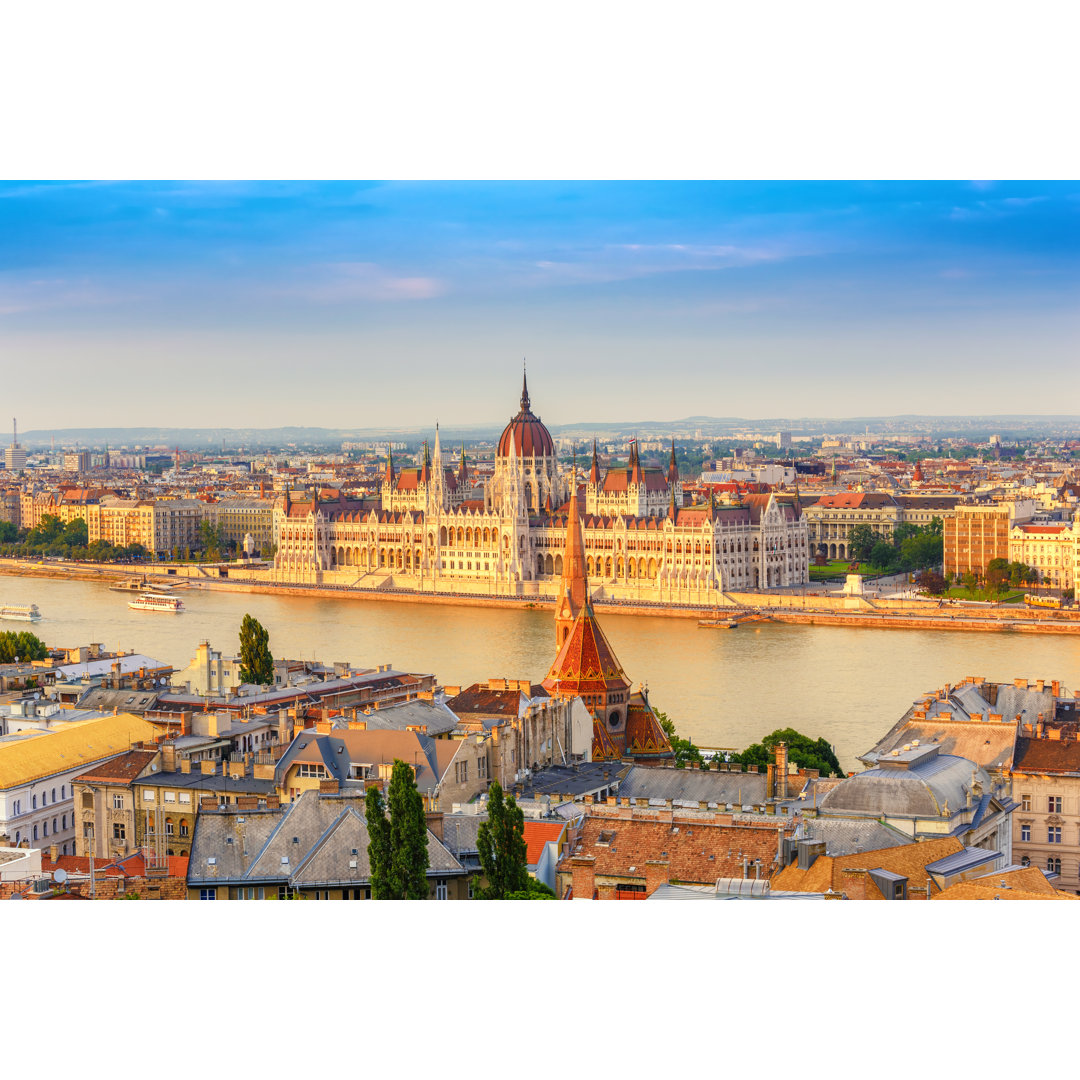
[
  {"x": 19, "y": 297},
  {"x": 332, "y": 283}
]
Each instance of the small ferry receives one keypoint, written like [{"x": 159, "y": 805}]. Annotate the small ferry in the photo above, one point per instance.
[
  {"x": 17, "y": 613},
  {"x": 149, "y": 601},
  {"x": 718, "y": 624}
]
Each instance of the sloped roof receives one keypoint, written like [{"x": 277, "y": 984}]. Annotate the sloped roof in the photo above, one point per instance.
[
  {"x": 537, "y": 834},
  {"x": 908, "y": 860},
  {"x": 74, "y": 746},
  {"x": 1028, "y": 883},
  {"x": 586, "y": 663},
  {"x": 693, "y": 785},
  {"x": 119, "y": 770}
]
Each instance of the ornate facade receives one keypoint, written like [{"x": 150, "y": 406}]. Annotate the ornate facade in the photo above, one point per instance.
[{"x": 433, "y": 532}]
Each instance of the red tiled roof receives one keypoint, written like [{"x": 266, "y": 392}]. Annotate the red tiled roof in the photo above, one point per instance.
[
  {"x": 119, "y": 770},
  {"x": 539, "y": 833}
]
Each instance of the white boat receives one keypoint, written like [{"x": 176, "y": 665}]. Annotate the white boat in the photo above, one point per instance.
[
  {"x": 149, "y": 601},
  {"x": 19, "y": 613}
]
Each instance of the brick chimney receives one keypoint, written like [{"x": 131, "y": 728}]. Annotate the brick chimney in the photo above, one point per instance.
[
  {"x": 329, "y": 787},
  {"x": 657, "y": 873},
  {"x": 185, "y": 765},
  {"x": 781, "y": 759},
  {"x": 853, "y": 883},
  {"x": 583, "y": 876}
]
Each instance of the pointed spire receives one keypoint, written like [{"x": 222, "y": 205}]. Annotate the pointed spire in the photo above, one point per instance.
[
  {"x": 438, "y": 449},
  {"x": 636, "y": 475},
  {"x": 389, "y": 477},
  {"x": 425, "y": 469},
  {"x": 594, "y": 472},
  {"x": 524, "y": 388},
  {"x": 574, "y": 588},
  {"x": 463, "y": 472},
  {"x": 672, "y": 511},
  {"x": 673, "y": 466}
]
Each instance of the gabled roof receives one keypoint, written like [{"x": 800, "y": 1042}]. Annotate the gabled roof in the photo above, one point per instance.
[
  {"x": 537, "y": 835},
  {"x": 119, "y": 770}
]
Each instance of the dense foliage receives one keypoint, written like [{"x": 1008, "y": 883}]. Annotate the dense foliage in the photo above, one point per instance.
[
  {"x": 256, "y": 663},
  {"x": 912, "y": 547},
  {"x": 21, "y": 644},
  {"x": 397, "y": 848},
  {"x": 803, "y": 751},
  {"x": 501, "y": 844},
  {"x": 52, "y": 537}
]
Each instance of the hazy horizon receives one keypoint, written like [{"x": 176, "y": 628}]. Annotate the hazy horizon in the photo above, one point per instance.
[{"x": 374, "y": 305}]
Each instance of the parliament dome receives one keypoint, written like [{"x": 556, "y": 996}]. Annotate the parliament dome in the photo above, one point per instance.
[{"x": 526, "y": 433}]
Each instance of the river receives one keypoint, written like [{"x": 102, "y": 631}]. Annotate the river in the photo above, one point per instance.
[{"x": 721, "y": 687}]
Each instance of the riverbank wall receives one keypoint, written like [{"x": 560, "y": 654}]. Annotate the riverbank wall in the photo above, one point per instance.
[{"x": 811, "y": 605}]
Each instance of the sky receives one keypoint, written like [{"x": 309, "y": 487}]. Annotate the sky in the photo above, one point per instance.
[{"x": 370, "y": 304}]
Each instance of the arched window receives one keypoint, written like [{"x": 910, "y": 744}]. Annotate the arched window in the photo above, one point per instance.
[
  {"x": 34, "y": 807},
  {"x": 64, "y": 820},
  {"x": 1053, "y": 865},
  {"x": 54, "y": 794}
]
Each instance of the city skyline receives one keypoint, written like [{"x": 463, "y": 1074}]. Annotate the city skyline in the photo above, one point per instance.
[{"x": 363, "y": 305}]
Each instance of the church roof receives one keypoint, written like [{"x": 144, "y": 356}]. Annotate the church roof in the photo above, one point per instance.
[
  {"x": 586, "y": 663},
  {"x": 645, "y": 737}
]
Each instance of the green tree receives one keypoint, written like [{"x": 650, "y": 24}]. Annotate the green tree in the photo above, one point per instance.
[
  {"x": 803, "y": 751},
  {"x": 76, "y": 533},
  {"x": 397, "y": 847},
  {"x": 861, "y": 541},
  {"x": 23, "y": 644},
  {"x": 256, "y": 663},
  {"x": 378, "y": 827},
  {"x": 501, "y": 844},
  {"x": 883, "y": 555},
  {"x": 8, "y": 532}
]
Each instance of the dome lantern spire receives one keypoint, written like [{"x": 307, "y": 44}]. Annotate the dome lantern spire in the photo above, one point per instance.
[{"x": 524, "y": 388}]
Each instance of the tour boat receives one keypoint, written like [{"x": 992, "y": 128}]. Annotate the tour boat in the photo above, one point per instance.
[
  {"x": 149, "y": 601},
  {"x": 20, "y": 614}
]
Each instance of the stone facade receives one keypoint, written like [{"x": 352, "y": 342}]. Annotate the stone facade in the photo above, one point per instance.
[{"x": 431, "y": 532}]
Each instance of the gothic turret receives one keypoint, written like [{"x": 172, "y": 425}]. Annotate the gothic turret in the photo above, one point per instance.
[
  {"x": 574, "y": 587},
  {"x": 673, "y": 467}
]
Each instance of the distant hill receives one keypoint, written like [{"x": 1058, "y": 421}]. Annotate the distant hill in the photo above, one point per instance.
[{"x": 974, "y": 427}]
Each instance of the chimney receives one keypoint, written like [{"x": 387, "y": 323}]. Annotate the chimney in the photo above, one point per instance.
[
  {"x": 781, "y": 759},
  {"x": 1055, "y": 688},
  {"x": 657, "y": 873},
  {"x": 583, "y": 876},
  {"x": 770, "y": 781},
  {"x": 168, "y": 757},
  {"x": 53, "y": 852},
  {"x": 273, "y": 802},
  {"x": 1040, "y": 685},
  {"x": 434, "y": 821},
  {"x": 185, "y": 765},
  {"x": 329, "y": 787},
  {"x": 853, "y": 883},
  {"x": 208, "y": 768}
]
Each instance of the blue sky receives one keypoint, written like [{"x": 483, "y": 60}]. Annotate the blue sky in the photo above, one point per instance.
[{"x": 364, "y": 304}]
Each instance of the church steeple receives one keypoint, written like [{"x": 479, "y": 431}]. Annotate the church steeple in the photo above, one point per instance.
[
  {"x": 594, "y": 472},
  {"x": 574, "y": 587},
  {"x": 463, "y": 472},
  {"x": 389, "y": 476}
]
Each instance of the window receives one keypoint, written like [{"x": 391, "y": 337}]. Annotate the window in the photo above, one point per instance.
[
  {"x": 169, "y": 796},
  {"x": 64, "y": 822},
  {"x": 147, "y": 795},
  {"x": 63, "y": 788},
  {"x": 118, "y": 831},
  {"x": 1025, "y": 802},
  {"x": 1053, "y": 834},
  {"x": 471, "y": 896},
  {"x": 184, "y": 828},
  {"x": 54, "y": 828},
  {"x": 1025, "y": 833},
  {"x": 118, "y": 802},
  {"x": 208, "y": 894},
  {"x": 54, "y": 794},
  {"x": 35, "y": 832},
  {"x": 185, "y": 796},
  {"x": 45, "y": 828},
  {"x": 440, "y": 889},
  {"x": 87, "y": 830},
  {"x": 482, "y": 766},
  {"x": 1054, "y": 804},
  {"x": 168, "y": 828},
  {"x": 1053, "y": 865},
  {"x": 318, "y": 771},
  {"x": 34, "y": 803}
]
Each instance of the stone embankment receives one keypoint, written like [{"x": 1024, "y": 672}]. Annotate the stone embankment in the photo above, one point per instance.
[{"x": 812, "y": 605}]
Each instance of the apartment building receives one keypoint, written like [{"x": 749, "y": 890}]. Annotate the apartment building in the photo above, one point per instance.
[{"x": 976, "y": 534}]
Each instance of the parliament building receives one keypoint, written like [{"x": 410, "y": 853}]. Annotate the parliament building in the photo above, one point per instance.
[{"x": 434, "y": 532}]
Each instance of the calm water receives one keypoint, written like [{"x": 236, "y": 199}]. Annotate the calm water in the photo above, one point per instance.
[{"x": 721, "y": 687}]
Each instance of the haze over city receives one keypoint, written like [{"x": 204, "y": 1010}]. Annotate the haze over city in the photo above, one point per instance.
[{"x": 368, "y": 304}]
